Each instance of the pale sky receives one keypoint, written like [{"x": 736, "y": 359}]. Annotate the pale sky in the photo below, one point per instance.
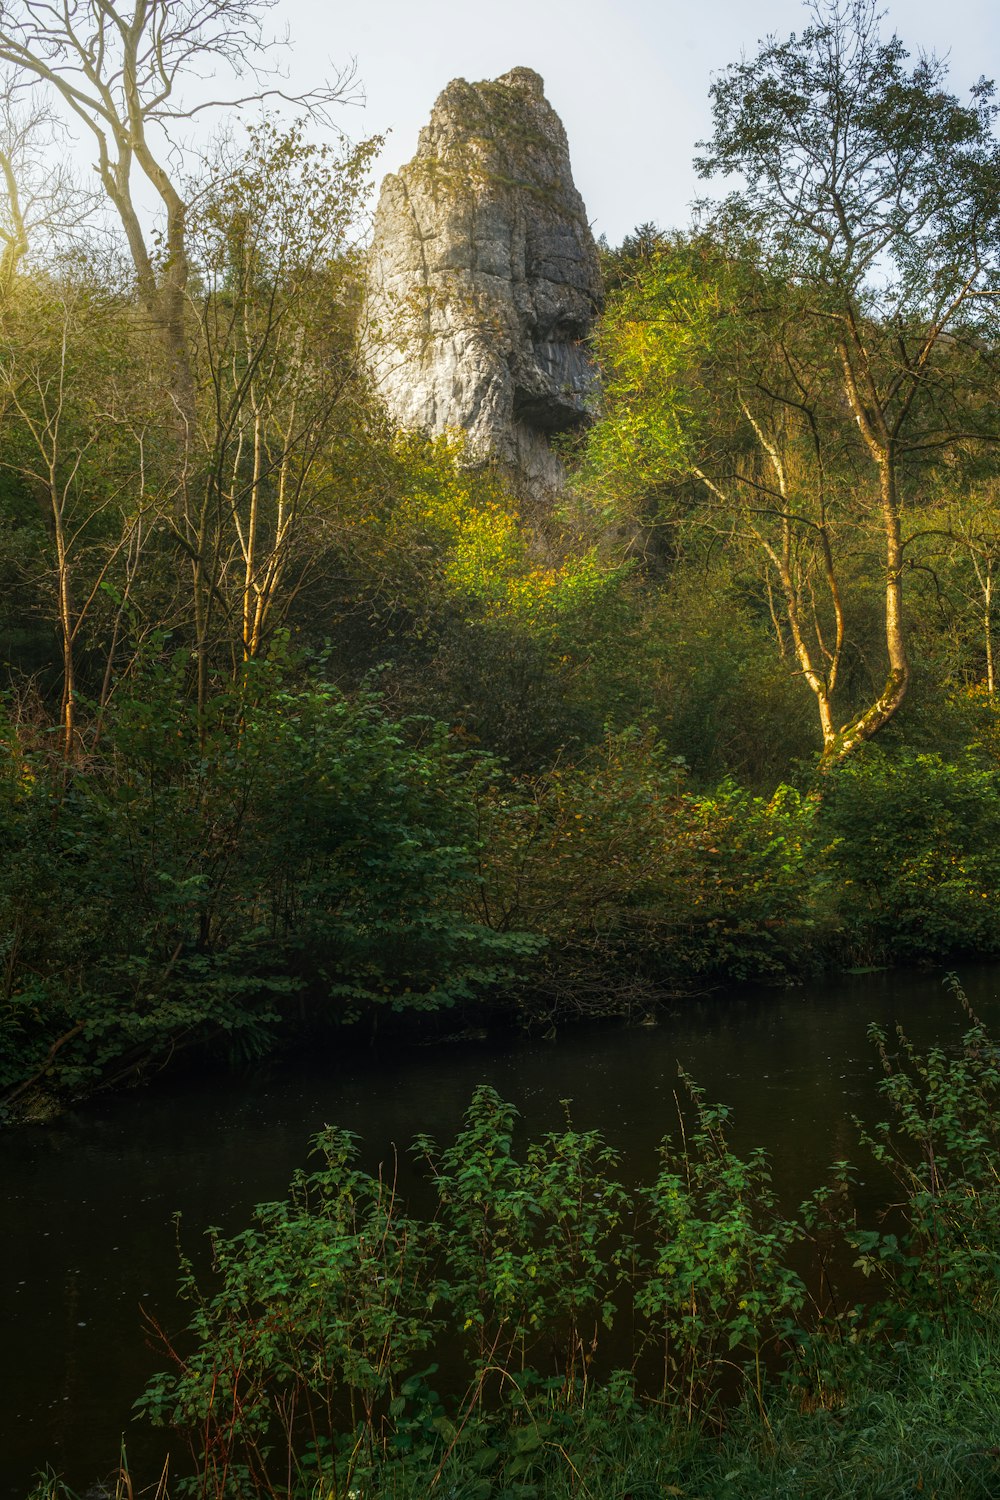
[{"x": 630, "y": 80}]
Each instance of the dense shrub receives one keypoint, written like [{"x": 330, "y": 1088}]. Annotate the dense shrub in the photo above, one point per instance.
[
  {"x": 200, "y": 878},
  {"x": 194, "y": 875},
  {"x": 912, "y": 847},
  {"x": 637, "y": 884},
  {"x": 297, "y": 1367},
  {"x": 940, "y": 1140}
]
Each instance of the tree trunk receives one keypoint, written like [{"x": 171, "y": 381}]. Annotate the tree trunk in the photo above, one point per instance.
[
  {"x": 897, "y": 679},
  {"x": 988, "y": 631},
  {"x": 65, "y": 613}
]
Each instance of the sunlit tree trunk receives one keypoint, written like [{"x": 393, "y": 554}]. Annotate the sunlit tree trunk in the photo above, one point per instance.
[
  {"x": 881, "y": 443},
  {"x": 988, "y": 633}
]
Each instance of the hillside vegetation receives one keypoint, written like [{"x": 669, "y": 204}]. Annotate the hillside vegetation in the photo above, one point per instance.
[{"x": 305, "y": 721}]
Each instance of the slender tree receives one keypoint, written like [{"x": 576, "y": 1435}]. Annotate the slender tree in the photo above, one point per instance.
[
  {"x": 41, "y": 206},
  {"x": 77, "y": 432},
  {"x": 876, "y": 194},
  {"x": 132, "y": 74},
  {"x": 276, "y": 271},
  {"x": 124, "y": 72},
  {"x": 713, "y": 378}
]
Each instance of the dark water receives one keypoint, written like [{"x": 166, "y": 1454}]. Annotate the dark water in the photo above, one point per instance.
[{"x": 87, "y": 1238}]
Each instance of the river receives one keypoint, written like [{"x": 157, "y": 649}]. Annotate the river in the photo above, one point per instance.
[{"x": 88, "y": 1237}]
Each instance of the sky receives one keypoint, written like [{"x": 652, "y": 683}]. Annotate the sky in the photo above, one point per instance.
[{"x": 629, "y": 79}]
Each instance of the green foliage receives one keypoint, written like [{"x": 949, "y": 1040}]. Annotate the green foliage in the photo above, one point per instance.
[
  {"x": 325, "y": 1298},
  {"x": 300, "y": 1364},
  {"x": 181, "y": 887},
  {"x": 911, "y": 843},
  {"x": 220, "y": 854},
  {"x": 743, "y": 864},
  {"x": 662, "y": 322},
  {"x": 636, "y": 883},
  {"x": 718, "y": 1286},
  {"x": 917, "y": 166},
  {"x": 722, "y": 697},
  {"x": 941, "y": 1144},
  {"x": 920, "y": 1421},
  {"x": 296, "y": 1373},
  {"x": 525, "y": 1245},
  {"x": 214, "y": 849},
  {"x": 501, "y": 626}
]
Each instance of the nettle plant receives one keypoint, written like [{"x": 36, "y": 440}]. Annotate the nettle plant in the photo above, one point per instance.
[
  {"x": 306, "y": 1368},
  {"x": 941, "y": 1144},
  {"x": 302, "y": 1365},
  {"x": 531, "y": 1251},
  {"x": 715, "y": 1294},
  {"x": 323, "y": 1306}
]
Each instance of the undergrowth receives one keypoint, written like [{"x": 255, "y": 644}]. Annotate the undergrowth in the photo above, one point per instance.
[{"x": 345, "y": 1348}]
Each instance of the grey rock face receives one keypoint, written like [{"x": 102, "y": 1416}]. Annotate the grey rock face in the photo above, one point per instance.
[{"x": 484, "y": 279}]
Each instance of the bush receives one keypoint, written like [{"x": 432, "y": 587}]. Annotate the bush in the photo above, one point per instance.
[
  {"x": 912, "y": 847},
  {"x": 941, "y": 1142},
  {"x": 293, "y": 842},
  {"x": 295, "y": 1374},
  {"x": 300, "y": 1362},
  {"x": 638, "y": 886},
  {"x": 321, "y": 1308}
]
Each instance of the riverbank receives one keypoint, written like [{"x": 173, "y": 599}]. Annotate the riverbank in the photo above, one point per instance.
[
  {"x": 916, "y": 1421},
  {"x": 794, "y": 1064},
  {"x": 309, "y": 866}
]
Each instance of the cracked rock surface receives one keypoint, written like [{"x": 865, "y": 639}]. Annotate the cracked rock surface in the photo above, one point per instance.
[{"x": 484, "y": 280}]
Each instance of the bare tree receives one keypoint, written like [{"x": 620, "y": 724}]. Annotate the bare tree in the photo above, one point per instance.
[
  {"x": 121, "y": 70},
  {"x": 41, "y": 205},
  {"x": 71, "y": 419}
]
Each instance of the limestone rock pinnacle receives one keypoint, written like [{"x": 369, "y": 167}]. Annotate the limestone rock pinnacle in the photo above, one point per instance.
[{"x": 484, "y": 279}]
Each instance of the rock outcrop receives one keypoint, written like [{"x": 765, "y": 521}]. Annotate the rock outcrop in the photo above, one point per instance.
[{"x": 484, "y": 279}]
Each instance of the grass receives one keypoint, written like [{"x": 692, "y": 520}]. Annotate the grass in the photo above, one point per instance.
[{"x": 918, "y": 1421}]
